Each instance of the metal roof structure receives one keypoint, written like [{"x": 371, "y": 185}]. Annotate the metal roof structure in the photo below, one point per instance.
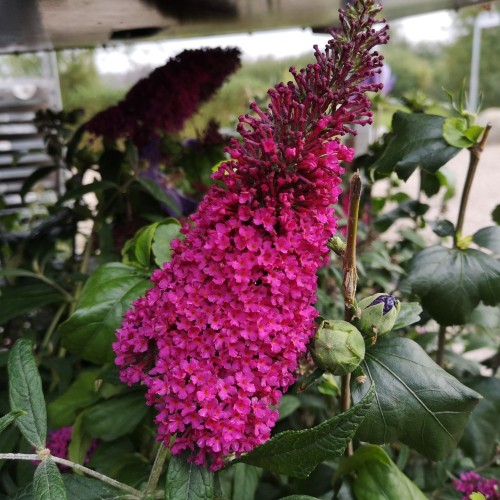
[{"x": 32, "y": 25}]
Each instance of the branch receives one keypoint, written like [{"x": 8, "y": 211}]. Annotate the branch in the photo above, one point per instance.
[{"x": 105, "y": 479}]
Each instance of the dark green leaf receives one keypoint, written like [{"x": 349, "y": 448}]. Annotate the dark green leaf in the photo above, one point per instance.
[
  {"x": 488, "y": 237},
  {"x": 80, "y": 442},
  {"x": 158, "y": 194},
  {"x": 73, "y": 144},
  {"x": 495, "y": 215},
  {"x": 245, "y": 481},
  {"x": 417, "y": 402},
  {"x": 17, "y": 300},
  {"x": 25, "y": 393},
  {"x": 87, "y": 488},
  {"x": 6, "y": 420},
  {"x": 288, "y": 405},
  {"x": 116, "y": 417},
  {"x": 408, "y": 315},
  {"x": 297, "y": 453},
  {"x": 25, "y": 493},
  {"x": 47, "y": 482},
  {"x": 429, "y": 183},
  {"x": 36, "y": 176},
  {"x": 165, "y": 234},
  {"x": 482, "y": 432},
  {"x": 442, "y": 227},
  {"x": 451, "y": 282},
  {"x": 299, "y": 497},
  {"x": 454, "y": 133},
  {"x": 187, "y": 481},
  {"x": 107, "y": 294},
  {"x": 81, "y": 394},
  {"x": 93, "y": 187},
  {"x": 417, "y": 141},
  {"x": 377, "y": 476},
  {"x": 410, "y": 208}
]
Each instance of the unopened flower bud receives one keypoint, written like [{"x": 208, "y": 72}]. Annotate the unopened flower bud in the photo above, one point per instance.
[
  {"x": 338, "y": 347},
  {"x": 378, "y": 314}
]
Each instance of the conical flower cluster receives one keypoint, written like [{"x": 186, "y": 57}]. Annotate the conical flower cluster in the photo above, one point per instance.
[
  {"x": 164, "y": 100},
  {"x": 218, "y": 338}
]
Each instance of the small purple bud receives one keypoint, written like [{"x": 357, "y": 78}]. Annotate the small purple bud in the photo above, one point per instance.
[
  {"x": 378, "y": 314},
  {"x": 389, "y": 302}
]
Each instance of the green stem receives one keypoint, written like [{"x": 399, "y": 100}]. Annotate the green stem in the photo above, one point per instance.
[
  {"x": 475, "y": 156},
  {"x": 161, "y": 456},
  {"x": 53, "y": 325},
  {"x": 105, "y": 479},
  {"x": 350, "y": 279},
  {"x": 53, "y": 284}
]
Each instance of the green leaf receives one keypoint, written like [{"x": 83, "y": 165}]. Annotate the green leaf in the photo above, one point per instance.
[
  {"x": 417, "y": 402},
  {"x": 474, "y": 132},
  {"x": 158, "y": 194},
  {"x": 297, "y": 453},
  {"x": 187, "y": 481},
  {"x": 448, "y": 180},
  {"x": 154, "y": 238},
  {"x": 80, "y": 191},
  {"x": 408, "y": 315},
  {"x": 107, "y": 294},
  {"x": 116, "y": 417},
  {"x": 451, "y": 282},
  {"x": 482, "y": 432},
  {"x": 429, "y": 183},
  {"x": 299, "y": 497},
  {"x": 245, "y": 481},
  {"x": 80, "y": 442},
  {"x": 138, "y": 249},
  {"x": 162, "y": 240},
  {"x": 17, "y": 300},
  {"x": 25, "y": 392},
  {"x": 377, "y": 476},
  {"x": 454, "y": 133},
  {"x": 25, "y": 493},
  {"x": 411, "y": 208},
  {"x": 442, "y": 227},
  {"x": 488, "y": 237},
  {"x": 87, "y": 488},
  {"x": 417, "y": 141},
  {"x": 288, "y": 405},
  {"x": 495, "y": 215},
  {"x": 47, "y": 482},
  {"x": 34, "y": 177},
  {"x": 81, "y": 394},
  {"x": 6, "y": 420}
]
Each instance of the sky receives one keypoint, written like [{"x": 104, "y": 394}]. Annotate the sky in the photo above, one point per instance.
[{"x": 277, "y": 44}]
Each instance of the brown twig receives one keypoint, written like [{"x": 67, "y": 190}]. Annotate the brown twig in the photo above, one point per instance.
[
  {"x": 475, "y": 155},
  {"x": 350, "y": 279}
]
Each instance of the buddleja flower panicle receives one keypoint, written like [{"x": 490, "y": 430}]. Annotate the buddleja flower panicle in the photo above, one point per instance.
[
  {"x": 217, "y": 340},
  {"x": 164, "y": 100}
]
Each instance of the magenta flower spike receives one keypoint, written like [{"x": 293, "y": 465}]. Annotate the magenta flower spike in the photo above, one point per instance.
[{"x": 218, "y": 338}]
